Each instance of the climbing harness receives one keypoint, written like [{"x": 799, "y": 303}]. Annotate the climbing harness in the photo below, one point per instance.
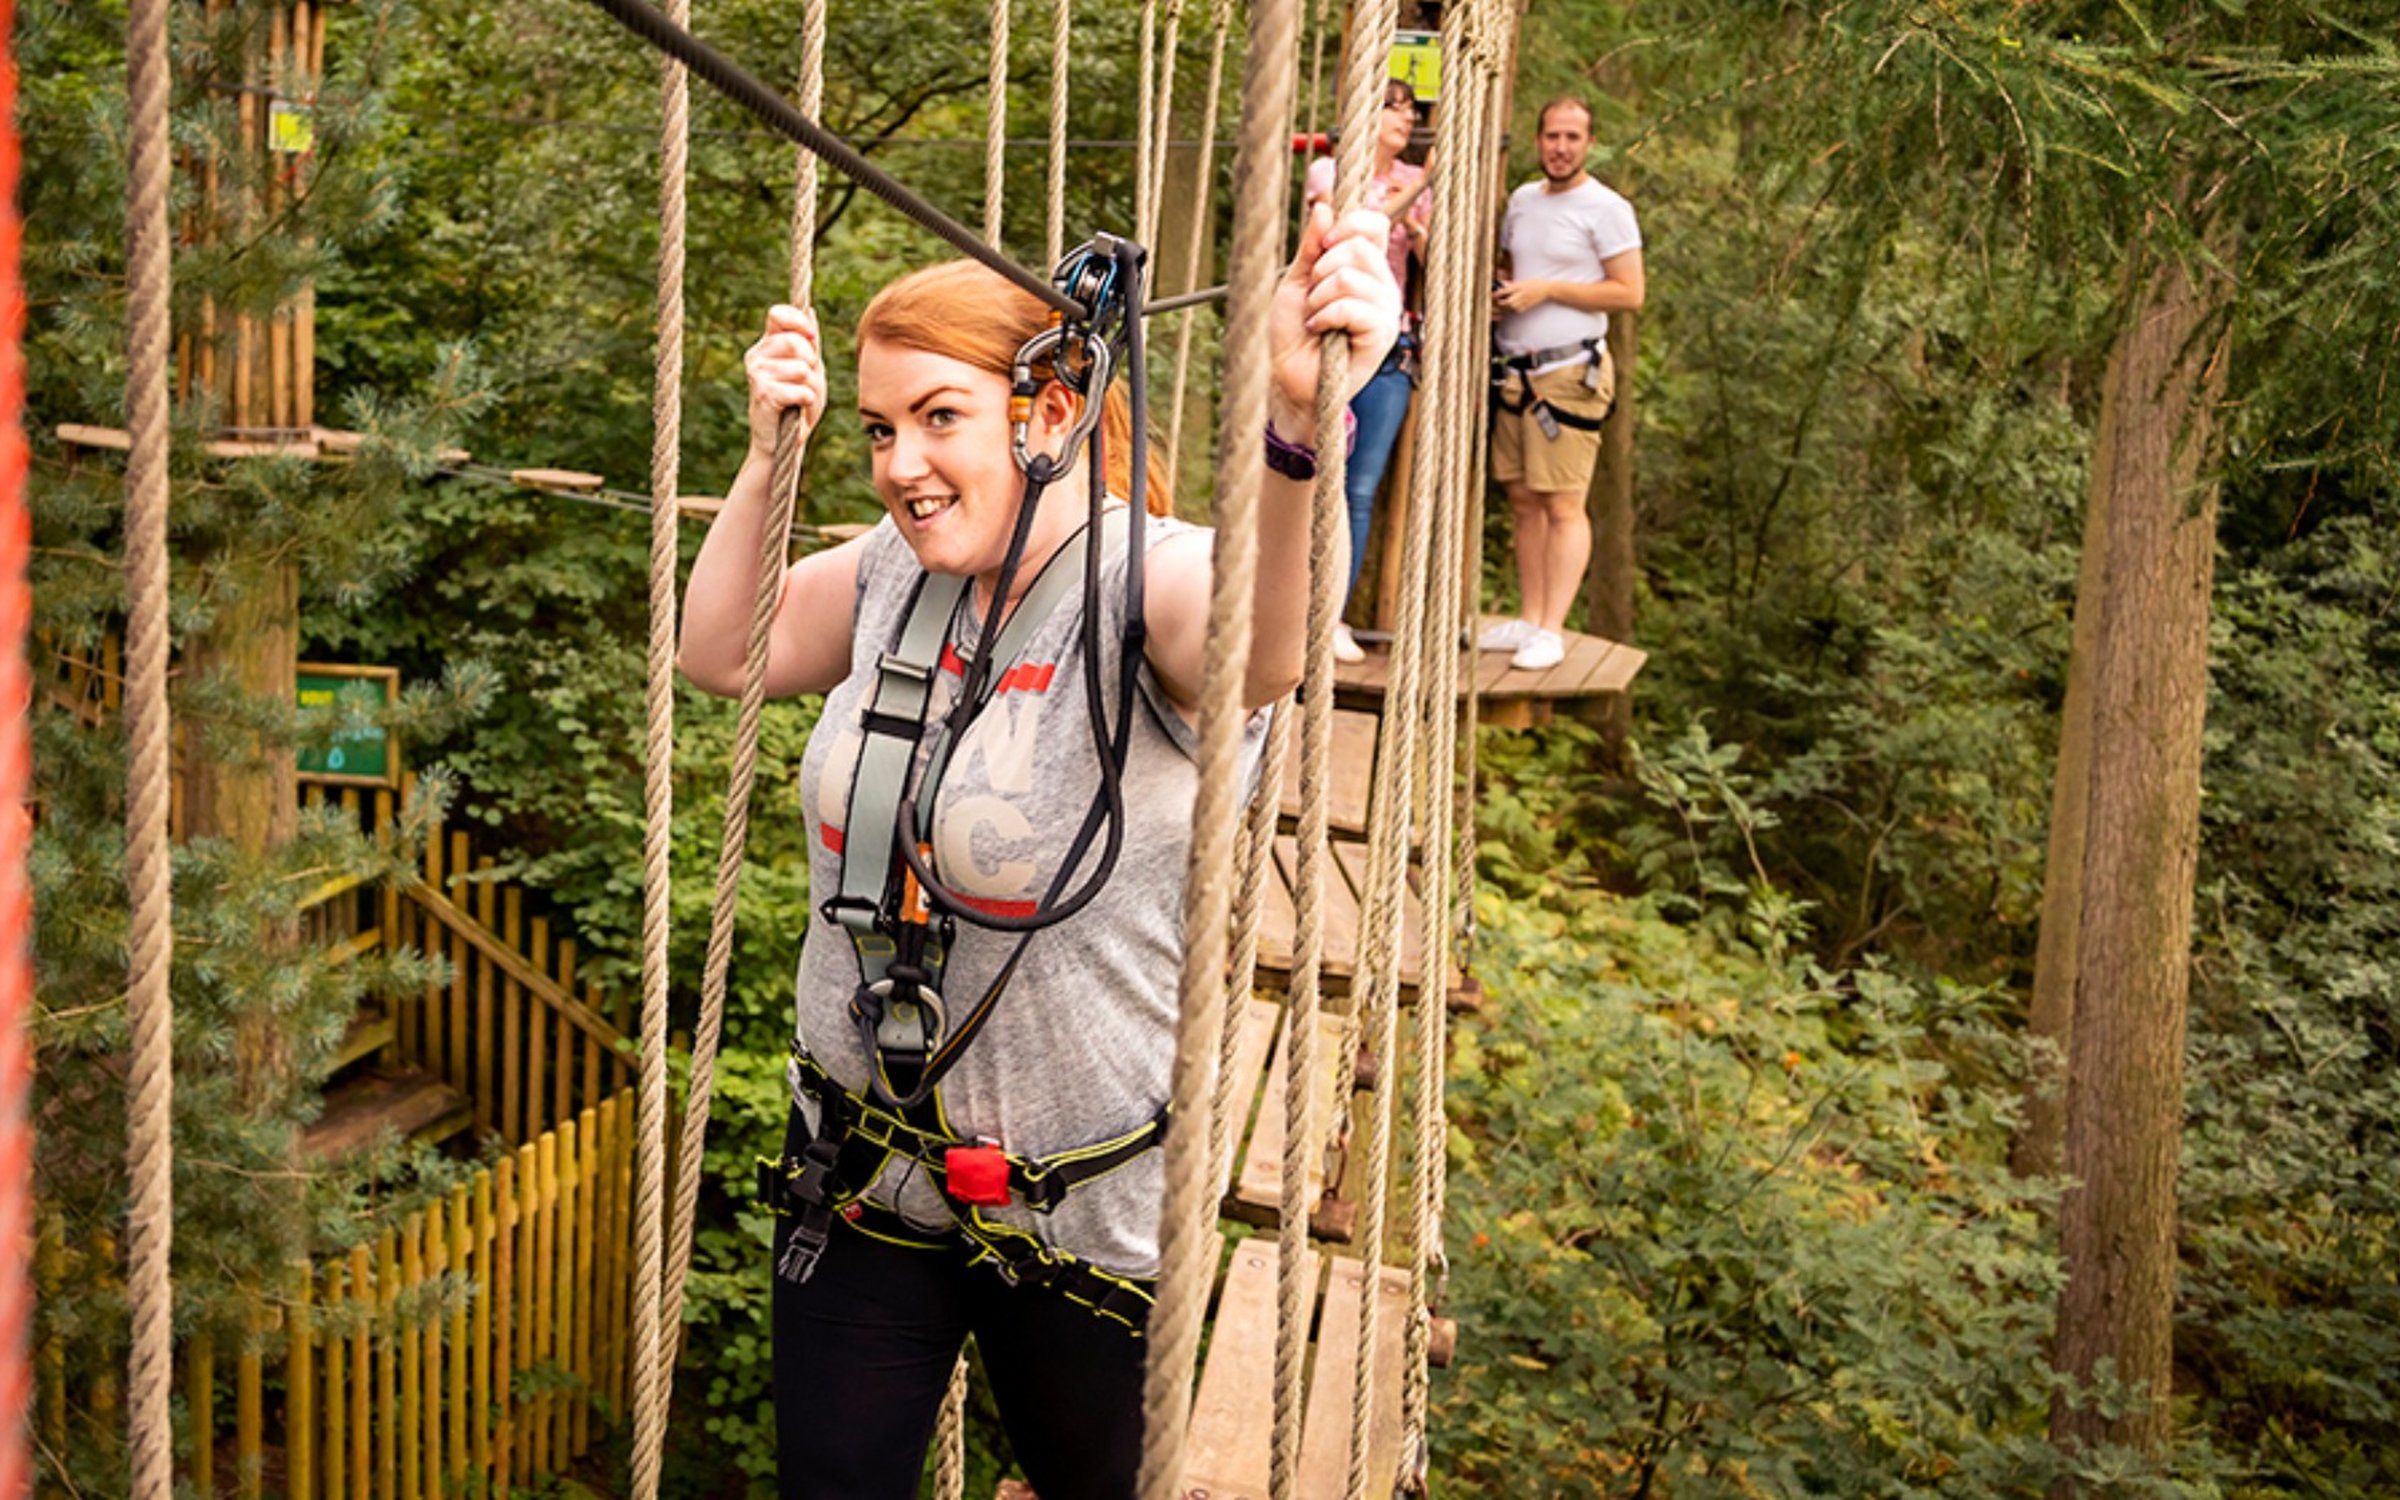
[
  {"x": 856, "y": 1140},
  {"x": 1591, "y": 353},
  {"x": 902, "y": 921}
]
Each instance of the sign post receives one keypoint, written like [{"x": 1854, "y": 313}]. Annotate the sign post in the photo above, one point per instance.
[{"x": 352, "y": 751}]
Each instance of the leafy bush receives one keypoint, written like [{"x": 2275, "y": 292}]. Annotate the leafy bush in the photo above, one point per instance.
[{"x": 1725, "y": 1225}]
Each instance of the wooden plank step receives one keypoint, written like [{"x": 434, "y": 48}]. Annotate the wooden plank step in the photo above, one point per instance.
[
  {"x": 371, "y": 1030},
  {"x": 408, "y": 1103},
  {"x": 1352, "y": 766},
  {"x": 1343, "y": 914},
  {"x": 1255, "y": 1034},
  {"x": 1229, "y": 1447},
  {"x": 1325, "y": 1435},
  {"x": 1258, "y": 1194}
]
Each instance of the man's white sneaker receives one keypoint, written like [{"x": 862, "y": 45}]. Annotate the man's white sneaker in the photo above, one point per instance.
[
  {"x": 1546, "y": 650},
  {"x": 1508, "y": 635},
  {"x": 1345, "y": 645}
]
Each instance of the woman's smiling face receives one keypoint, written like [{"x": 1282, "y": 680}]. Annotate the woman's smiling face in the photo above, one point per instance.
[{"x": 938, "y": 430}]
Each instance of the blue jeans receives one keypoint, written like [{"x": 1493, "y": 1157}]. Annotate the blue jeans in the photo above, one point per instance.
[{"x": 1380, "y": 409}]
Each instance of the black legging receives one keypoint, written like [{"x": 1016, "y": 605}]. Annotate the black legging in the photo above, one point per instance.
[{"x": 863, "y": 1353}]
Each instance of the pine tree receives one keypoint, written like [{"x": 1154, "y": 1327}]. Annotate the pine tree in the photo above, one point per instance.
[{"x": 259, "y": 1010}]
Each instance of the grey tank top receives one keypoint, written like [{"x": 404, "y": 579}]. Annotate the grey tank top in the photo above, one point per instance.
[{"x": 1081, "y": 1044}]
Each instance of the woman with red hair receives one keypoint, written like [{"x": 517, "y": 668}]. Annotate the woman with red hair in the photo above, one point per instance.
[{"x": 981, "y": 1063}]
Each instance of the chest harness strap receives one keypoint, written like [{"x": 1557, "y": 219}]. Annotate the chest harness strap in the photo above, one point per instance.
[
  {"x": 1548, "y": 417},
  {"x": 902, "y": 943}
]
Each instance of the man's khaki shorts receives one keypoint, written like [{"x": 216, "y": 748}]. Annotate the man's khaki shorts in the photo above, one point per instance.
[{"x": 1522, "y": 451}]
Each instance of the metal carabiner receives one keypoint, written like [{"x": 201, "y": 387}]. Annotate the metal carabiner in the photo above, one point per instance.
[{"x": 1099, "y": 369}]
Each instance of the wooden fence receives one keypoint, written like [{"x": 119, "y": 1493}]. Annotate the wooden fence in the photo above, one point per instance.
[
  {"x": 475, "y": 1346},
  {"x": 514, "y": 1029}
]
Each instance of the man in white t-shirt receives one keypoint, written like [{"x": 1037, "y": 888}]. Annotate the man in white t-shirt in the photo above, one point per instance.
[{"x": 1570, "y": 254}]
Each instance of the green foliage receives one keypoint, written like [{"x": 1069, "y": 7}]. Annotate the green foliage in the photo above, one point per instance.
[
  {"x": 2288, "y": 1313},
  {"x": 1726, "y": 1222}
]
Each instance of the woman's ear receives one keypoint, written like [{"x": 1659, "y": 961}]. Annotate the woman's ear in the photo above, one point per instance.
[{"x": 1057, "y": 407}]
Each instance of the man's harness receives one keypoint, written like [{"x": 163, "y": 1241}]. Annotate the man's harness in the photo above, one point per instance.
[
  {"x": 1548, "y": 417},
  {"x": 902, "y": 921}
]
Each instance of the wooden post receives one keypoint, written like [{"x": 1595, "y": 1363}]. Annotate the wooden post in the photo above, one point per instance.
[
  {"x": 200, "y": 1395},
  {"x": 462, "y": 1243},
  {"x": 387, "y": 1365},
  {"x": 479, "y": 1405},
  {"x": 411, "y": 1361},
  {"x": 249, "y": 1410},
  {"x": 334, "y": 1457},
  {"x": 300, "y": 1387},
  {"x": 362, "y": 1356}
]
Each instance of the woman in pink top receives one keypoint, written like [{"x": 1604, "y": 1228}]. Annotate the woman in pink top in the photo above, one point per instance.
[{"x": 1383, "y": 405}]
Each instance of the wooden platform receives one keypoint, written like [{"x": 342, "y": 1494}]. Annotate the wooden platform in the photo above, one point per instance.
[
  {"x": 411, "y": 1104},
  {"x": 1229, "y": 1448},
  {"x": 1593, "y": 668}
]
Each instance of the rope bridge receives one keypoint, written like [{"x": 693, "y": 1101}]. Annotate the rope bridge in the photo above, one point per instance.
[{"x": 1422, "y": 773}]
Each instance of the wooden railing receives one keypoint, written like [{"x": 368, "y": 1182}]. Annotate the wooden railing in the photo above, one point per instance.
[{"x": 514, "y": 1029}]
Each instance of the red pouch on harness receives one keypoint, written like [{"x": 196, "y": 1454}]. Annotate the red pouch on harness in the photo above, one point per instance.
[{"x": 978, "y": 1175}]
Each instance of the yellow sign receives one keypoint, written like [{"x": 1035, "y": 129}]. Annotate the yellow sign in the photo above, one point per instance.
[
  {"x": 291, "y": 129},
  {"x": 1417, "y": 58}
]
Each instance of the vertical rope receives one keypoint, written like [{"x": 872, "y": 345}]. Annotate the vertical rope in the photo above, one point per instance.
[
  {"x": 1145, "y": 123},
  {"x": 1205, "y": 178},
  {"x": 995, "y": 126},
  {"x": 1249, "y": 919},
  {"x": 651, "y": 1372},
  {"x": 149, "y": 1089},
  {"x": 1366, "y": 63},
  {"x": 1450, "y": 380},
  {"x": 1062, "y": 32},
  {"x": 950, "y": 1466},
  {"x": 1316, "y": 67},
  {"x": 766, "y": 593},
  {"x": 16, "y": 824},
  {"x": 1162, "y": 124},
  {"x": 1186, "y": 1223}
]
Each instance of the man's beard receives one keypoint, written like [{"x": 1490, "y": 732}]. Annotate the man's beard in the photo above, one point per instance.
[{"x": 1574, "y": 171}]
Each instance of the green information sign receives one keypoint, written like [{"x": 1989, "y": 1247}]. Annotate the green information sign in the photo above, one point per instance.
[
  {"x": 354, "y": 752},
  {"x": 1417, "y": 57}
]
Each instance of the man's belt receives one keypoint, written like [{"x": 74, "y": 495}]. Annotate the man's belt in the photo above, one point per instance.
[{"x": 1536, "y": 359}]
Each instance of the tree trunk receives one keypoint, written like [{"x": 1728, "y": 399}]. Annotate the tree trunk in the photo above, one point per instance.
[
  {"x": 2149, "y": 689},
  {"x": 2041, "y": 1132},
  {"x": 1608, "y": 584},
  {"x": 243, "y": 788}
]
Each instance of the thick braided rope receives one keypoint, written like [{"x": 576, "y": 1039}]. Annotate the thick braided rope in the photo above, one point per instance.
[
  {"x": 1145, "y": 124},
  {"x": 1162, "y": 122},
  {"x": 1319, "y": 21},
  {"x": 1249, "y": 921},
  {"x": 1499, "y": 30},
  {"x": 950, "y": 1465},
  {"x": 995, "y": 125},
  {"x": 149, "y": 1005},
  {"x": 734, "y": 840},
  {"x": 1062, "y": 31},
  {"x": 1186, "y": 1221},
  {"x": 1206, "y": 179},
  {"x": 650, "y": 1369},
  {"x": 1448, "y": 350},
  {"x": 1362, "y": 78}
]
